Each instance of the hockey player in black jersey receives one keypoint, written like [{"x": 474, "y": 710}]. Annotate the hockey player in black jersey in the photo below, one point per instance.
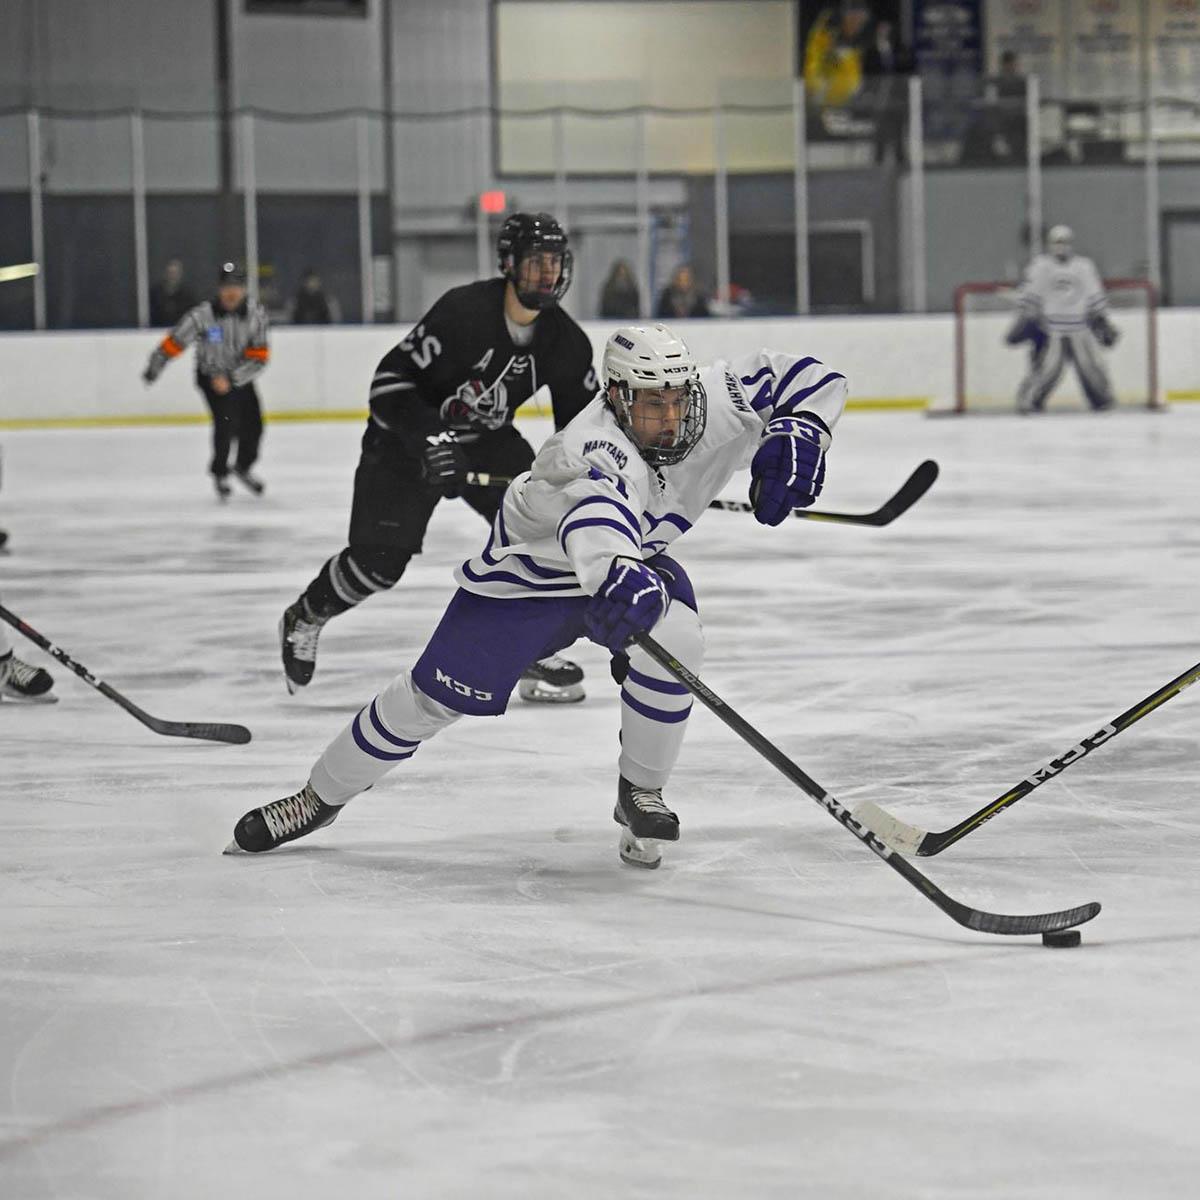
[{"x": 442, "y": 404}]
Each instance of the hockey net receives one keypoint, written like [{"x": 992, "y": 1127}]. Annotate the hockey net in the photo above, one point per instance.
[{"x": 987, "y": 371}]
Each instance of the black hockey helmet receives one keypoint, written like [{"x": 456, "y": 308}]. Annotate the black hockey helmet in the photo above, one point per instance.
[
  {"x": 232, "y": 272},
  {"x": 523, "y": 234}
]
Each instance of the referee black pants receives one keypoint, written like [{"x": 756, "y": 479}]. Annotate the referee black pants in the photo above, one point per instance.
[{"x": 237, "y": 419}]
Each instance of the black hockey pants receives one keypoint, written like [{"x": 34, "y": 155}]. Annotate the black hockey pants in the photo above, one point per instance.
[
  {"x": 392, "y": 508},
  {"x": 237, "y": 417}
]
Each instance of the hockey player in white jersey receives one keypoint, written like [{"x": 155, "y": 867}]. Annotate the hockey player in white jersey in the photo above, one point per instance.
[
  {"x": 1064, "y": 314},
  {"x": 579, "y": 548}
]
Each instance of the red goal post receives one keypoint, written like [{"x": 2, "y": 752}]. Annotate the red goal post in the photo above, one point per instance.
[{"x": 987, "y": 372}]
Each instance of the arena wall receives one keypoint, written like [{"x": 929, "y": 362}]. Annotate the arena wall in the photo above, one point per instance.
[{"x": 895, "y": 362}]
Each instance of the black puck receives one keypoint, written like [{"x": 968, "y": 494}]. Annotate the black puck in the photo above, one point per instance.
[{"x": 1062, "y": 938}]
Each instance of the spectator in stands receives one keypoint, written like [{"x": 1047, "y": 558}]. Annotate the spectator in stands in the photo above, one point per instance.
[
  {"x": 170, "y": 297},
  {"x": 833, "y": 54},
  {"x": 999, "y": 132},
  {"x": 681, "y": 297},
  {"x": 312, "y": 306},
  {"x": 885, "y": 62},
  {"x": 619, "y": 298}
]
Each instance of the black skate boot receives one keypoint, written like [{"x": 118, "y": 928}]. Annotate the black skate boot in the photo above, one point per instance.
[
  {"x": 552, "y": 680},
  {"x": 250, "y": 481},
  {"x": 298, "y": 633},
  {"x": 3, "y": 541},
  {"x": 224, "y": 491},
  {"x": 283, "y": 821},
  {"x": 20, "y": 681},
  {"x": 646, "y": 821}
]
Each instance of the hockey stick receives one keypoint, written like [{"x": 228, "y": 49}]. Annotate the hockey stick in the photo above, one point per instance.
[
  {"x": 971, "y": 918},
  {"x": 237, "y": 734},
  {"x": 913, "y": 488},
  {"x": 910, "y": 839},
  {"x": 18, "y": 271}
]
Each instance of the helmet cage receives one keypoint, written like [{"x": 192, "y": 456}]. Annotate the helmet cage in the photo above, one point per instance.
[
  {"x": 523, "y": 234},
  {"x": 621, "y": 397}
]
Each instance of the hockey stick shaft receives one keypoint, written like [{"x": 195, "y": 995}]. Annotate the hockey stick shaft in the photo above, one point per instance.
[
  {"x": 485, "y": 479},
  {"x": 901, "y": 836},
  {"x": 204, "y": 730},
  {"x": 971, "y": 918},
  {"x": 18, "y": 271},
  {"x": 913, "y": 488}
]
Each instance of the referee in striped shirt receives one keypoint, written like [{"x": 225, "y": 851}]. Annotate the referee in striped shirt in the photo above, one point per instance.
[{"x": 230, "y": 336}]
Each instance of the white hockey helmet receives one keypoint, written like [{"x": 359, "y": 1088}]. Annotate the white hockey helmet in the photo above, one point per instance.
[
  {"x": 1060, "y": 241},
  {"x": 653, "y": 359}
]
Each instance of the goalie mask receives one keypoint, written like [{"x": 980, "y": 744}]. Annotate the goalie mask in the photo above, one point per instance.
[
  {"x": 652, "y": 385},
  {"x": 534, "y": 258},
  {"x": 1060, "y": 241}
]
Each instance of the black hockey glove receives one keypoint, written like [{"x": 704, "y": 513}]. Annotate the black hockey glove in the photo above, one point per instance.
[
  {"x": 444, "y": 463},
  {"x": 1106, "y": 333}
]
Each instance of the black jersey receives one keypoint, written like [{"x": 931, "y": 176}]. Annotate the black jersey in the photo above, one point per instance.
[{"x": 460, "y": 369}]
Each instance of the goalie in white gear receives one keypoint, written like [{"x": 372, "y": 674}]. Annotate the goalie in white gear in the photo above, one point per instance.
[
  {"x": 578, "y": 548},
  {"x": 1064, "y": 314}
]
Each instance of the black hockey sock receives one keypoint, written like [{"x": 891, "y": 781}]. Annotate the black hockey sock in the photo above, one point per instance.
[{"x": 346, "y": 581}]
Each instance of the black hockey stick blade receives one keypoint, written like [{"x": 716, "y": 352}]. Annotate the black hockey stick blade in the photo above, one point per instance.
[
  {"x": 910, "y": 839},
  {"x": 913, "y": 488},
  {"x": 207, "y": 731},
  {"x": 971, "y": 918}
]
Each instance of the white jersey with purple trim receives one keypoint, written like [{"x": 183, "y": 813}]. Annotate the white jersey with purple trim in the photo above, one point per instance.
[
  {"x": 1062, "y": 296},
  {"x": 590, "y": 496}
]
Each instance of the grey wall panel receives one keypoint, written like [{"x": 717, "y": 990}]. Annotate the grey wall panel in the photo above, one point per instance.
[
  {"x": 182, "y": 156},
  {"x": 14, "y": 153},
  {"x": 974, "y": 229},
  {"x": 91, "y": 54},
  {"x": 307, "y": 64}
]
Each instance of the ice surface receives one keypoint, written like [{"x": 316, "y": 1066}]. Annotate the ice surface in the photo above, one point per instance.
[{"x": 458, "y": 990}]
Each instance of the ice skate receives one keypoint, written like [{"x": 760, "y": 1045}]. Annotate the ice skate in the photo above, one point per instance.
[
  {"x": 298, "y": 633},
  {"x": 282, "y": 821},
  {"x": 249, "y": 480},
  {"x": 552, "y": 680},
  {"x": 223, "y": 489},
  {"x": 20, "y": 681},
  {"x": 3, "y": 541},
  {"x": 645, "y": 822}
]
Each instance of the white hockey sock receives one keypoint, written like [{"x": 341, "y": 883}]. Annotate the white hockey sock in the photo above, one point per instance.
[
  {"x": 655, "y": 705},
  {"x": 388, "y": 731}
]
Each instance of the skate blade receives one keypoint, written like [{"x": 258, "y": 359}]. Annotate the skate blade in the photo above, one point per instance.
[
  {"x": 44, "y": 698},
  {"x": 639, "y": 852},
  {"x": 234, "y": 848},
  {"x": 537, "y": 691}
]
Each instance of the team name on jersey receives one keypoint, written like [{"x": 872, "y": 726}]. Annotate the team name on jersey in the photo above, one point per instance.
[
  {"x": 615, "y": 452},
  {"x": 735, "y": 392}
]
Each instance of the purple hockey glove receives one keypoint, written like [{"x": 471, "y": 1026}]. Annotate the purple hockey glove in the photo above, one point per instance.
[
  {"x": 631, "y": 600},
  {"x": 788, "y": 470}
]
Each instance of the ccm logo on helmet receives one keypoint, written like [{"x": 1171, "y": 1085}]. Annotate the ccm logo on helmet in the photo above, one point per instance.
[{"x": 623, "y": 341}]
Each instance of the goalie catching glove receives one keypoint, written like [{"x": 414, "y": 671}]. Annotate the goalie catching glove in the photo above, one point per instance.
[
  {"x": 788, "y": 470},
  {"x": 631, "y": 600},
  {"x": 1104, "y": 331}
]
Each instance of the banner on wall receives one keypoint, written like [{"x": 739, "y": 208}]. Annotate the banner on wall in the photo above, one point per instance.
[
  {"x": 1033, "y": 30},
  {"x": 948, "y": 38},
  {"x": 1175, "y": 45},
  {"x": 1104, "y": 48}
]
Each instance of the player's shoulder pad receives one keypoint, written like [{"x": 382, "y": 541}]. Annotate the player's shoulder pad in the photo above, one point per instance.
[{"x": 594, "y": 440}]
